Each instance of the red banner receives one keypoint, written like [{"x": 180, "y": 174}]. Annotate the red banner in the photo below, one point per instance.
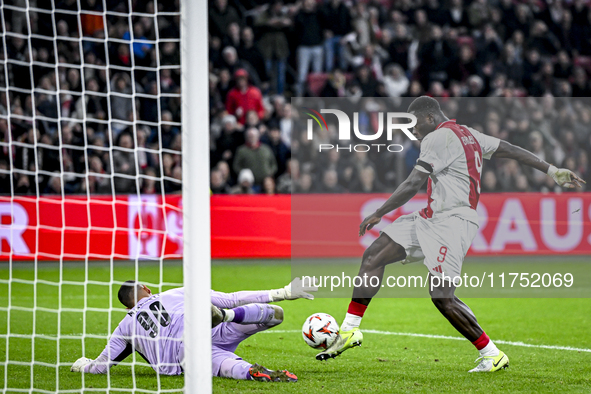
[
  {"x": 128, "y": 227},
  {"x": 101, "y": 227},
  {"x": 510, "y": 224}
]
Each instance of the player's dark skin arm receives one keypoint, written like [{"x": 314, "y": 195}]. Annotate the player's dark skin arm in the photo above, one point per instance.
[
  {"x": 405, "y": 191},
  {"x": 510, "y": 151}
]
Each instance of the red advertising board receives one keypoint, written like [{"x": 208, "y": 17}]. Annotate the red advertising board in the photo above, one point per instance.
[
  {"x": 128, "y": 227},
  {"x": 98, "y": 228},
  {"x": 510, "y": 224}
]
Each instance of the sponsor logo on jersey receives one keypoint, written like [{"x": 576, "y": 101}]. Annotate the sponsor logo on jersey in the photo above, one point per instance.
[{"x": 468, "y": 140}]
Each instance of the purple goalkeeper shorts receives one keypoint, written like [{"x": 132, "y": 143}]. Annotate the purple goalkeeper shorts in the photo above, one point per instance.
[{"x": 226, "y": 337}]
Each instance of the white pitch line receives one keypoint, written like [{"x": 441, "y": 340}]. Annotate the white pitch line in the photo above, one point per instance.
[{"x": 412, "y": 334}]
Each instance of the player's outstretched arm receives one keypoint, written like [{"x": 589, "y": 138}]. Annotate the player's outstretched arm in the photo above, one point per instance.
[
  {"x": 407, "y": 190},
  {"x": 561, "y": 176},
  {"x": 296, "y": 289},
  {"x": 116, "y": 350}
]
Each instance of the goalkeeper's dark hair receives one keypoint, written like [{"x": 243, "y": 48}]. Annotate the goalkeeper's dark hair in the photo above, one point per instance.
[
  {"x": 425, "y": 105},
  {"x": 127, "y": 292}
]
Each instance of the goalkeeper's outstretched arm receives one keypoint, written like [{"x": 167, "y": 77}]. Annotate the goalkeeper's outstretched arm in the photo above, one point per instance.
[
  {"x": 116, "y": 350},
  {"x": 292, "y": 291},
  {"x": 561, "y": 176}
]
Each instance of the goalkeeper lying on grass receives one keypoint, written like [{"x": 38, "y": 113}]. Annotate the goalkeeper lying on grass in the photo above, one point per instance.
[{"x": 154, "y": 328}]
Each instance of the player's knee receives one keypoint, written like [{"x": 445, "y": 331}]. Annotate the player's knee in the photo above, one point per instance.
[
  {"x": 370, "y": 259},
  {"x": 375, "y": 257},
  {"x": 277, "y": 315},
  {"x": 367, "y": 257}
]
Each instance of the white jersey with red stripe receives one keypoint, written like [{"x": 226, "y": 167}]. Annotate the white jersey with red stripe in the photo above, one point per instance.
[{"x": 452, "y": 155}]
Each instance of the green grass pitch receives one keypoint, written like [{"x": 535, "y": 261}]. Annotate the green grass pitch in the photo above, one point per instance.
[{"x": 384, "y": 364}]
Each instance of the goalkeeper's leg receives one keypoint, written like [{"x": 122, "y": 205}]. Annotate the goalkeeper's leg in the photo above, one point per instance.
[
  {"x": 226, "y": 337},
  {"x": 234, "y": 367},
  {"x": 263, "y": 314}
]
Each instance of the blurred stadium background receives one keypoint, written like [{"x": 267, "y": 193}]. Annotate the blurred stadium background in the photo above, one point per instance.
[{"x": 325, "y": 48}]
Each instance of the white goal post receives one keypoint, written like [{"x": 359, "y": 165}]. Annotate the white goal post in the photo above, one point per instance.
[{"x": 196, "y": 215}]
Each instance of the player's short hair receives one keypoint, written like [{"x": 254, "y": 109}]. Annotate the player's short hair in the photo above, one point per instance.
[
  {"x": 127, "y": 292},
  {"x": 425, "y": 105}
]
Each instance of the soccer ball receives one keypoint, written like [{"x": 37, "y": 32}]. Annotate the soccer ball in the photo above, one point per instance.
[{"x": 320, "y": 330}]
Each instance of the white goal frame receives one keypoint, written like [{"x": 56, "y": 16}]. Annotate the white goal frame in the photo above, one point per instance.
[{"x": 196, "y": 214}]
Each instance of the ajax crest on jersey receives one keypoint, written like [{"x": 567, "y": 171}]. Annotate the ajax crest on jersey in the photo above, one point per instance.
[{"x": 320, "y": 330}]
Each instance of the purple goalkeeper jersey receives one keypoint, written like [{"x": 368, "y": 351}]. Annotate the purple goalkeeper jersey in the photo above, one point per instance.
[{"x": 154, "y": 328}]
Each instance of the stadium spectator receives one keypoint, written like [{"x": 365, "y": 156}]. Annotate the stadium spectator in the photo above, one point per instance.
[
  {"x": 304, "y": 185},
  {"x": 229, "y": 140},
  {"x": 245, "y": 183},
  {"x": 124, "y": 168},
  {"x": 98, "y": 179},
  {"x": 269, "y": 186},
  {"x": 5, "y": 176},
  {"x": 287, "y": 179},
  {"x": 281, "y": 152},
  {"x": 330, "y": 183},
  {"x": 54, "y": 186},
  {"x": 167, "y": 130},
  {"x": 336, "y": 23},
  {"x": 367, "y": 182},
  {"x": 537, "y": 148},
  {"x": 224, "y": 169},
  {"x": 220, "y": 16},
  {"x": 395, "y": 81},
  {"x": 273, "y": 24},
  {"x": 456, "y": 15},
  {"x": 218, "y": 184},
  {"x": 308, "y": 30},
  {"x": 121, "y": 101},
  {"x": 250, "y": 53},
  {"x": 257, "y": 157},
  {"x": 174, "y": 185},
  {"x": 335, "y": 85},
  {"x": 366, "y": 81},
  {"x": 140, "y": 47},
  {"x": 230, "y": 60},
  {"x": 232, "y": 37},
  {"x": 253, "y": 120},
  {"x": 244, "y": 98},
  {"x": 436, "y": 57},
  {"x": 400, "y": 46},
  {"x": 489, "y": 182}
]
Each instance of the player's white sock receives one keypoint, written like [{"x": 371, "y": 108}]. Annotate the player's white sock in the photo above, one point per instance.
[
  {"x": 489, "y": 350},
  {"x": 351, "y": 321},
  {"x": 229, "y": 315}
]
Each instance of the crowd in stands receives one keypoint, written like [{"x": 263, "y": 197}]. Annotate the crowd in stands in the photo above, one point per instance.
[
  {"x": 262, "y": 54},
  {"x": 106, "y": 93},
  {"x": 360, "y": 166},
  {"x": 127, "y": 122}
]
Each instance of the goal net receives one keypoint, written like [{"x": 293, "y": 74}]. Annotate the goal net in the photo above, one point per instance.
[{"x": 90, "y": 183}]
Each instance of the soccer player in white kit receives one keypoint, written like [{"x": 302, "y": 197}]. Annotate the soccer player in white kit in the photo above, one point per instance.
[
  {"x": 440, "y": 235},
  {"x": 154, "y": 327}
]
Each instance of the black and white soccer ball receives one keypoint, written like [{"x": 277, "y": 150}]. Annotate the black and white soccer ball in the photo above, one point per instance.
[{"x": 320, "y": 330}]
